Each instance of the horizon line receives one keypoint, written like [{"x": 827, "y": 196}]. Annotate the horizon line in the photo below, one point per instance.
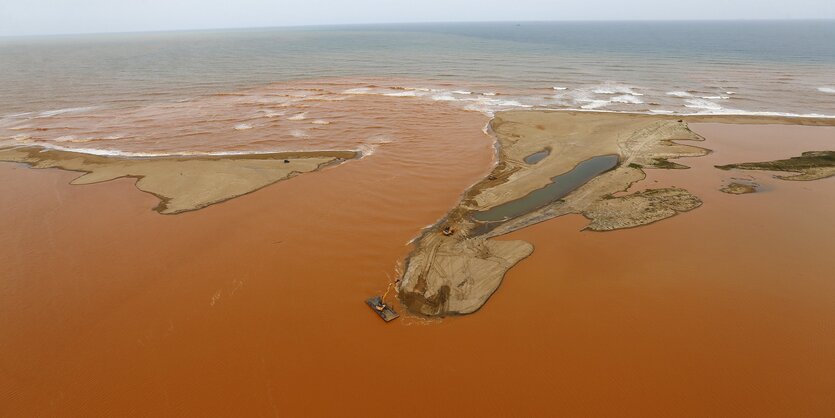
[{"x": 332, "y": 25}]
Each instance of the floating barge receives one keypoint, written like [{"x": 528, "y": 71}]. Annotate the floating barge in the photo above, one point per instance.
[{"x": 384, "y": 311}]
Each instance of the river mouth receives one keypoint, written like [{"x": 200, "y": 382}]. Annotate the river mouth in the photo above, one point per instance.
[{"x": 559, "y": 187}]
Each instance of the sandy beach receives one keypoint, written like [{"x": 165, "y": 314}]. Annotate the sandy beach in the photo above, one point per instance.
[{"x": 254, "y": 306}]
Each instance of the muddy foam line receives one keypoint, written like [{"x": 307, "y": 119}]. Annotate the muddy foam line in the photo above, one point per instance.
[{"x": 362, "y": 151}]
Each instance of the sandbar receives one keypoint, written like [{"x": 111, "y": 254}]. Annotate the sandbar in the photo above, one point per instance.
[{"x": 182, "y": 183}]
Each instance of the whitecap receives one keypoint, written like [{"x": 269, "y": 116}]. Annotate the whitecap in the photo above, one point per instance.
[
  {"x": 615, "y": 89},
  {"x": 320, "y": 122},
  {"x": 594, "y": 104},
  {"x": 299, "y": 116},
  {"x": 626, "y": 98},
  {"x": 370, "y": 147},
  {"x": 826, "y": 90},
  {"x": 242, "y": 126},
  {"x": 49, "y": 113},
  {"x": 132, "y": 154},
  {"x": 560, "y": 88},
  {"x": 358, "y": 90},
  {"x": 462, "y": 92},
  {"x": 703, "y": 104},
  {"x": 407, "y": 93},
  {"x": 679, "y": 94},
  {"x": 443, "y": 97}
]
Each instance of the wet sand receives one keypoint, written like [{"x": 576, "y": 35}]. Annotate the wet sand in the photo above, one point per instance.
[{"x": 255, "y": 306}]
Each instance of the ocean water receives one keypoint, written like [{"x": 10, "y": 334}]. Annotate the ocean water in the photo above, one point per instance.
[{"x": 141, "y": 91}]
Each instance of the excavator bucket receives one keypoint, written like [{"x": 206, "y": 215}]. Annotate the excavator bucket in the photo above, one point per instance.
[{"x": 387, "y": 313}]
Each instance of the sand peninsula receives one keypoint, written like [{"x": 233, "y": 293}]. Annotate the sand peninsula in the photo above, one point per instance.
[
  {"x": 182, "y": 183},
  {"x": 549, "y": 164}
]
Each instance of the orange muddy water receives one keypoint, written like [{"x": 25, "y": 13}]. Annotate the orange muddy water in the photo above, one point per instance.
[{"x": 254, "y": 307}]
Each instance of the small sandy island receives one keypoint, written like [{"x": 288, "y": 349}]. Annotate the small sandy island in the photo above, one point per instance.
[
  {"x": 739, "y": 188},
  {"x": 549, "y": 164},
  {"x": 182, "y": 183}
]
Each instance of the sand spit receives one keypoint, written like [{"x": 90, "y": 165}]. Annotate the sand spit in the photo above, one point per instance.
[
  {"x": 182, "y": 183},
  {"x": 456, "y": 265},
  {"x": 454, "y": 268},
  {"x": 811, "y": 165}
]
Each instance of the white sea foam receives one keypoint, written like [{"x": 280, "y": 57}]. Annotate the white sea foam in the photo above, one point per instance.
[
  {"x": 679, "y": 94},
  {"x": 610, "y": 88},
  {"x": 560, "y": 88},
  {"x": 298, "y": 133},
  {"x": 488, "y": 106},
  {"x": 702, "y": 104},
  {"x": 371, "y": 145},
  {"x": 445, "y": 97},
  {"x": 826, "y": 90},
  {"x": 626, "y": 98},
  {"x": 17, "y": 115},
  {"x": 406, "y": 93},
  {"x": 358, "y": 90},
  {"x": 242, "y": 126},
  {"x": 320, "y": 122},
  {"x": 298, "y": 116},
  {"x": 132, "y": 154},
  {"x": 489, "y": 93},
  {"x": 462, "y": 92},
  {"x": 595, "y": 104},
  {"x": 741, "y": 112},
  {"x": 715, "y": 97},
  {"x": 50, "y": 113}
]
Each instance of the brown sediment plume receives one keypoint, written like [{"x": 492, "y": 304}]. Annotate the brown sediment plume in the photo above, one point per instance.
[
  {"x": 182, "y": 183},
  {"x": 811, "y": 165},
  {"x": 255, "y": 307},
  {"x": 456, "y": 273}
]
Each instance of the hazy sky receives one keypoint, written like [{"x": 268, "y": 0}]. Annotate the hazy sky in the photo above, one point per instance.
[{"x": 25, "y": 17}]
